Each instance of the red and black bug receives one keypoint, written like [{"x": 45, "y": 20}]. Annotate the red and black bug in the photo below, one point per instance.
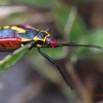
[{"x": 15, "y": 36}]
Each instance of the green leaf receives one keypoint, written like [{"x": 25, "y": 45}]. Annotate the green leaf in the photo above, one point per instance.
[
  {"x": 96, "y": 37},
  {"x": 55, "y": 53},
  {"x": 78, "y": 33},
  {"x": 13, "y": 58},
  {"x": 4, "y": 2},
  {"x": 78, "y": 29},
  {"x": 37, "y": 1}
]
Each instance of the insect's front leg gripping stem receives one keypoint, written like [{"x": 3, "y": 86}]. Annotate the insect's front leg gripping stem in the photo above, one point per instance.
[{"x": 64, "y": 75}]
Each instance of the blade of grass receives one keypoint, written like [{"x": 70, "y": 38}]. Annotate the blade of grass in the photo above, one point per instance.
[{"x": 11, "y": 59}]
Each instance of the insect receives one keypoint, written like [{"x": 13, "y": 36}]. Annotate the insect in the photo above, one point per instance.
[{"x": 16, "y": 36}]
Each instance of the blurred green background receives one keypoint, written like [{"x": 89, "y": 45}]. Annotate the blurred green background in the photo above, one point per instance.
[{"x": 33, "y": 79}]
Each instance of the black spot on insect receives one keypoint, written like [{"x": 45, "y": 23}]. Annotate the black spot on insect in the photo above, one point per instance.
[
  {"x": 39, "y": 42},
  {"x": 41, "y": 35}
]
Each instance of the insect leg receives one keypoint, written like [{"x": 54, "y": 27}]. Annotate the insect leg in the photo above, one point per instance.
[{"x": 54, "y": 63}]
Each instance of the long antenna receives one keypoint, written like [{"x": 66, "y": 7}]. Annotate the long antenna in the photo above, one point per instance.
[
  {"x": 55, "y": 64},
  {"x": 79, "y": 45}
]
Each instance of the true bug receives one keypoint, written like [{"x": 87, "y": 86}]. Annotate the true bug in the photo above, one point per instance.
[{"x": 15, "y": 36}]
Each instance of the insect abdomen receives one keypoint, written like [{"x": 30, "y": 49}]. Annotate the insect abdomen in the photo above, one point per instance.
[{"x": 10, "y": 43}]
